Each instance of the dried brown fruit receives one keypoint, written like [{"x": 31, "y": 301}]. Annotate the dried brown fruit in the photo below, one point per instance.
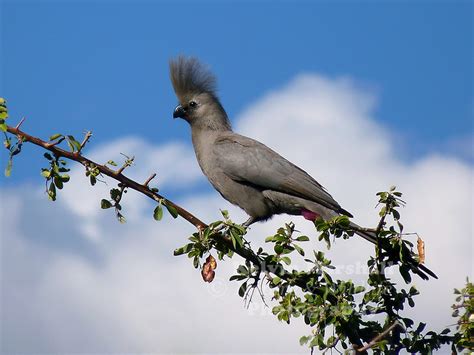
[
  {"x": 207, "y": 271},
  {"x": 420, "y": 244},
  {"x": 211, "y": 260}
]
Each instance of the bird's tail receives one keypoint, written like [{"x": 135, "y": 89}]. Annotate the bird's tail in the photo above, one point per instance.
[
  {"x": 416, "y": 267},
  {"x": 367, "y": 235}
]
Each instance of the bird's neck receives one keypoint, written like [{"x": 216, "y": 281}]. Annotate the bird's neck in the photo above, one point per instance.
[
  {"x": 203, "y": 135},
  {"x": 215, "y": 122},
  {"x": 203, "y": 143}
]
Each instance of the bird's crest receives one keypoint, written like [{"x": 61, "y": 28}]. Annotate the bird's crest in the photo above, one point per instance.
[{"x": 190, "y": 77}]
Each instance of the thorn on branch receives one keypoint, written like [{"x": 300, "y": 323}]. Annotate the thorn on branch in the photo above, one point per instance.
[
  {"x": 128, "y": 162},
  {"x": 147, "y": 181},
  {"x": 20, "y": 123},
  {"x": 85, "y": 140}
]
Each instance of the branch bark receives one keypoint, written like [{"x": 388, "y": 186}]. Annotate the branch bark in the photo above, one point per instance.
[
  {"x": 117, "y": 175},
  {"x": 379, "y": 337}
]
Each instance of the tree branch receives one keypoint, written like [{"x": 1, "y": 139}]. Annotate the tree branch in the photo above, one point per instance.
[
  {"x": 379, "y": 337},
  {"x": 117, "y": 175}
]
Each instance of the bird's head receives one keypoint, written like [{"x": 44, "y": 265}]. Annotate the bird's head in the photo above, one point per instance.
[{"x": 195, "y": 88}]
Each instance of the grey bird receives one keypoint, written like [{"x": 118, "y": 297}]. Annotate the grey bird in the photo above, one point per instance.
[{"x": 244, "y": 171}]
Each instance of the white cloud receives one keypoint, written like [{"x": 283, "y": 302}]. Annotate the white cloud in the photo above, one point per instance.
[{"x": 120, "y": 290}]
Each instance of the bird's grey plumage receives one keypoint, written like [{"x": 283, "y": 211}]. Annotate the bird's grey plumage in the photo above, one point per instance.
[
  {"x": 244, "y": 171},
  {"x": 254, "y": 163}
]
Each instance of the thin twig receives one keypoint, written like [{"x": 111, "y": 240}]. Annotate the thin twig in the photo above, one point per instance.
[
  {"x": 52, "y": 144},
  {"x": 332, "y": 346},
  {"x": 380, "y": 336},
  {"x": 380, "y": 225},
  {"x": 128, "y": 162}
]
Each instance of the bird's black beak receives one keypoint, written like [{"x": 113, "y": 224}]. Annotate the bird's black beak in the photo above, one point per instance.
[{"x": 179, "y": 111}]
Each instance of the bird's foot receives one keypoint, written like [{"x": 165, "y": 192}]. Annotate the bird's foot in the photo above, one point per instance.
[{"x": 249, "y": 221}]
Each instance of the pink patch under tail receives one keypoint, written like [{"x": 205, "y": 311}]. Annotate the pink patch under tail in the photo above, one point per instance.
[{"x": 309, "y": 215}]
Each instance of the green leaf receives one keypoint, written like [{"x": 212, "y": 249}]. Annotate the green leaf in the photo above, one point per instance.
[
  {"x": 299, "y": 249},
  {"x": 278, "y": 248},
  {"x": 45, "y": 173},
  {"x": 48, "y": 156},
  {"x": 8, "y": 169},
  {"x": 104, "y": 204},
  {"x": 121, "y": 218},
  {"x": 111, "y": 162},
  {"x": 3, "y": 127},
  {"x": 420, "y": 328},
  {"x": 302, "y": 238},
  {"x": 58, "y": 182},
  {"x": 242, "y": 270},
  {"x": 55, "y": 136},
  {"x": 158, "y": 213},
  {"x": 172, "y": 210},
  {"x": 115, "y": 194},
  {"x": 52, "y": 192},
  {"x": 236, "y": 238},
  {"x": 304, "y": 339},
  {"x": 73, "y": 143},
  {"x": 183, "y": 250},
  {"x": 242, "y": 289},
  {"x": 286, "y": 260}
]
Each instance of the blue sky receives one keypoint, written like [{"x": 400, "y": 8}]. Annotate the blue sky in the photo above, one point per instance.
[
  {"x": 362, "y": 95},
  {"x": 71, "y": 66}
]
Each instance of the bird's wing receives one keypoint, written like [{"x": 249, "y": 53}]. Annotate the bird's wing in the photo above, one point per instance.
[{"x": 246, "y": 160}]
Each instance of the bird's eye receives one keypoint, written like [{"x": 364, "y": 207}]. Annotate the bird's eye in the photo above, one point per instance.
[{"x": 193, "y": 104}]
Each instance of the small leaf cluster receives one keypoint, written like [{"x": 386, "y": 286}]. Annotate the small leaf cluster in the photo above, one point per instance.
[
  {"x": 13, "y": 148},
  {"x": 3, "y": 114},
  {"x": 206, "y": 239},
  {"x": 464, "y": 310},
  {"x": 285, "y": 243},
  {"x": 158, "y": 211},
  {"x": 116, "y": 195},
  {"x": 55, "y": 175},
  {"x": 336, "y": 227},
  {"x": 73, "y": 144},
  {"x": 92, "y": 172}
]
